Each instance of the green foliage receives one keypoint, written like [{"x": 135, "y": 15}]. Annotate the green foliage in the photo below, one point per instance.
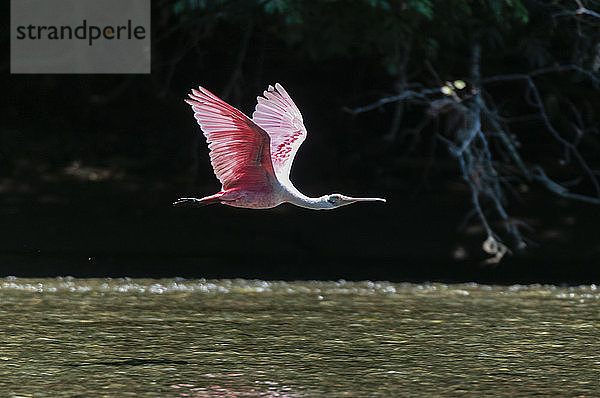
[
  {"x": 423, "y": 7},
  {"x": 382, "y": 29},
  {"x": 392, "y": 32}
]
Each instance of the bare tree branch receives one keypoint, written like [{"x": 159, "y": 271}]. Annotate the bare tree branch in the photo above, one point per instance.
[
  {"x": 580, "y": 10},
  {"x": 479, "y": 122},
  {"x": 584, "y": 11}
]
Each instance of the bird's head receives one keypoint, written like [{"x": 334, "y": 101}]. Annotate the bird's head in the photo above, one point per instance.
[{"x": 338, "y": 200}]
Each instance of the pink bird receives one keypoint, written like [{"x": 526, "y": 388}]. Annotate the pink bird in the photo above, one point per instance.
[{"x": 252, "y": 157}]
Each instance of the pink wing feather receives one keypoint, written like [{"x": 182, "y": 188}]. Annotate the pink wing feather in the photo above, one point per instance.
[
  {"x": 239, "y": 149},
  {"x": 277, "y": 114}
]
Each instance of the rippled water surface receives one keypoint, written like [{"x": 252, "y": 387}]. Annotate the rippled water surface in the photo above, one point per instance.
[{"x": 236, "y": 338}]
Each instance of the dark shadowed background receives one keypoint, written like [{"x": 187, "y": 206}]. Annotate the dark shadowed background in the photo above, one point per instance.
[{"x": 90, "y": 164}]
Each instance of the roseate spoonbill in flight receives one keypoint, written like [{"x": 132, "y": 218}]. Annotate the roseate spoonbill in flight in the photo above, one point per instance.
[{"x": 252, "y": 157}]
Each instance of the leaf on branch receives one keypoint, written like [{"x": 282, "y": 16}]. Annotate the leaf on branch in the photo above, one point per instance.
[
  {"x": 446, "y": 90},
  {"x": 459, "y": 84},
  {"x": 495, "y": 248}
]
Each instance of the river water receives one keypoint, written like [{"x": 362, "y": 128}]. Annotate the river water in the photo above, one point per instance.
[{"x": 238, "y": 338}]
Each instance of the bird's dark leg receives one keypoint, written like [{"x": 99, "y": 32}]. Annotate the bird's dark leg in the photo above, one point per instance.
[
  {"x": 194, "y": 202},
  {"x": 187, "y": 202}
]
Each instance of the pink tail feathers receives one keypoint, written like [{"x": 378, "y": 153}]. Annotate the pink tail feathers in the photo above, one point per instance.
[
  {"x": 207, "y": 200},
  {"x": 194, "y": 202}
]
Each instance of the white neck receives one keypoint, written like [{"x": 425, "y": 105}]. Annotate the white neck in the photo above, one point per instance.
[{"x": 294, "y": 196}]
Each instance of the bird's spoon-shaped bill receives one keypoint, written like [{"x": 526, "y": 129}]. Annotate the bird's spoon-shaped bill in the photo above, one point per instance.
[{"x": 350, "y": 199}]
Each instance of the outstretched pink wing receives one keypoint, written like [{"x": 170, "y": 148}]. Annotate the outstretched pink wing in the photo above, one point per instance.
[
  {"x": 239, "y": 149},
  {"x": 277, "y": 114}
]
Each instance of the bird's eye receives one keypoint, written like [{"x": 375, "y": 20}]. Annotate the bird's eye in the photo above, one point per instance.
[{"x": 333, "y": 199}]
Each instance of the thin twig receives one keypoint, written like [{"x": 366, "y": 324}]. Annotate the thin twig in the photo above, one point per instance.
[{"x": 404, "y": 95}]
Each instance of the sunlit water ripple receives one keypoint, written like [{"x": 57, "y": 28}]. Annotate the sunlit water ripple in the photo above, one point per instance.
[{"x": 201, "y": 338}]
